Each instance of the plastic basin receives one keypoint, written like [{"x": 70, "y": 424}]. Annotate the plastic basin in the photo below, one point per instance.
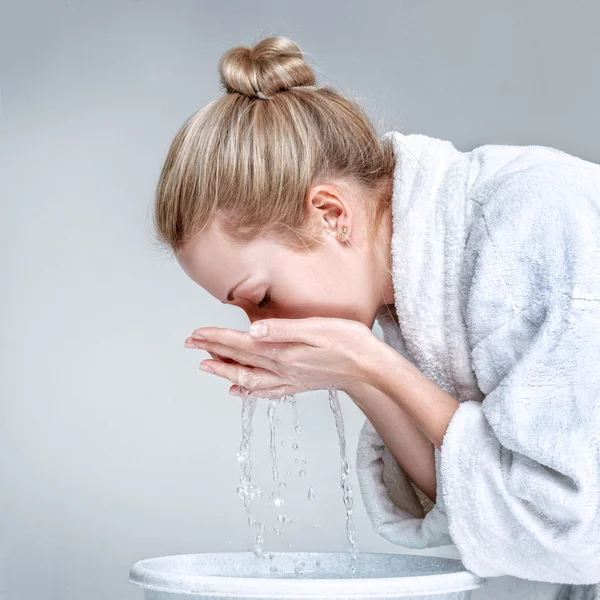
[{"x": 322, "y": 575}]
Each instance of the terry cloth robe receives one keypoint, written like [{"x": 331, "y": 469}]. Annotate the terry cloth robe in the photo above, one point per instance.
[{"x": 496, "y": 276}]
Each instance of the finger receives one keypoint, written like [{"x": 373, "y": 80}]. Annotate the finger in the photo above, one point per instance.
[
  {"x": 237, "y": 345},
  {"x": 235, "y": 355},
  {"x": 227, "y": 337},
  {"x": 245, "y": 376},
  {"x": 305, "y": 330},
  {"x": 221, "y": 358},
  {"x": 277, "y": 392}
]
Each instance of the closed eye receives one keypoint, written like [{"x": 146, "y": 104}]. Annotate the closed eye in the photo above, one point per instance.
[{"x": 264, "y": 301}]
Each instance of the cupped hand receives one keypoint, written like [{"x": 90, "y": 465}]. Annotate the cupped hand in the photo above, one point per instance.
[
  {"x": 261, "y": 377},
  {"x": 296, "y": 355}
]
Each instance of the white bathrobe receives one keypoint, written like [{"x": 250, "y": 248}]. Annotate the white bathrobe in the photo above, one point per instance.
[{"x": 496, "y": 274}]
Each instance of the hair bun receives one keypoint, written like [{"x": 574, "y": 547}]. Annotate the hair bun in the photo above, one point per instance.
[{"x": 273, "y": 65}]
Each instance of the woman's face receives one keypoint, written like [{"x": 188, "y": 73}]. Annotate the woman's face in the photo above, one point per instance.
[{"x": 338, "y": 278}]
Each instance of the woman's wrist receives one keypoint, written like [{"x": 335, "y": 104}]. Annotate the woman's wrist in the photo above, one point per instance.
[
  {"x": 370, "y": 353},
  {"x": 379, "y": 359}
]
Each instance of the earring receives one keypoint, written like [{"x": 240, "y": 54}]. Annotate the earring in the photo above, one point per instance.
[{"x": 344, "y": 229}]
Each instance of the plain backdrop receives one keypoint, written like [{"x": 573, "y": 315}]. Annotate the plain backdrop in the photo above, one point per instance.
[{"x": 113, "y": 446}]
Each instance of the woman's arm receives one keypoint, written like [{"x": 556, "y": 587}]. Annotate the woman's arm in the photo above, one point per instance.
[
  {"x": 408, "y": 444},
  {"x": 429, "y": 406}
]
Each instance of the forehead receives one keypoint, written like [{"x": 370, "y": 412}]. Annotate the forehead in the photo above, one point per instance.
[
  {"x": 217, "y": 263},
  {"x": 210, "y": 258}
]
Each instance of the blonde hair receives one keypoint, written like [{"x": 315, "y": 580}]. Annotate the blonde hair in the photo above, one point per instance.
[{"x": 251, "y": 156}]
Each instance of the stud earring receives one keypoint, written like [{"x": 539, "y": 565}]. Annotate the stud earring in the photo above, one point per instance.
[{"x": 344, "y": 229}]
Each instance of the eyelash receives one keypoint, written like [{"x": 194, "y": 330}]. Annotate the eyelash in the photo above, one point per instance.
[{"x": 264, "y": 301}]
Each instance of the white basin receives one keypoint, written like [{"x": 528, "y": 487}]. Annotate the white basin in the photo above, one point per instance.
[{"x": 303, "y": 575}]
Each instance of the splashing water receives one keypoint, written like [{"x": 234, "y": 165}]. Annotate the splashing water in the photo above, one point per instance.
[{"x": 334, "y": 403}]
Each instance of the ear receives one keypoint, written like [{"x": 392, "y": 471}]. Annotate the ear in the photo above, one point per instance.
[{"x": 328, "y": 203}]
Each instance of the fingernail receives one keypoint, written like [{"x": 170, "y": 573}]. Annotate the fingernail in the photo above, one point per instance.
[
  {"x": 190, "y": 345},
  {"x": 198, "y": 336},
  {"x": 233, "y": 393},
  {"x": 206, "y": 368},
  {"x": 257, "y": 330}
]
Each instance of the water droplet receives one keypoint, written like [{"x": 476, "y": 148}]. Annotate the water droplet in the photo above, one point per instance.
[
  {"x": 283, "y": 519},
  {"x": 277, "y": 499},
  {"x": 282, "y": 484},
  {"x": 277, "y": 422},
  {"x": 297, "y": 461},
  {"x": 295, "y": 446},
  {"x": 283, "y": 443},
  {"x": 303, "y": 462},
  {"x": 258, "y": 541},
  {"x": 289, "y": 472},
  {"x": 302, "y": 473},
  {"x": 311, "y": 493}
]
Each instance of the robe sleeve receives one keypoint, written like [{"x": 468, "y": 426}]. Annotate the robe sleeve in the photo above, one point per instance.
[
  {"x": 520, "y": 471},
  {"x": 398, "y": 510}
]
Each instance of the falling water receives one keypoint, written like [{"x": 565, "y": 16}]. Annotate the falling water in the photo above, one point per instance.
[
  {"x": 247, "y": 491},
  {"x": 297, "y": 427},
  {"x": 271, "y": 415},
  {"x": 334, "y": 403}
]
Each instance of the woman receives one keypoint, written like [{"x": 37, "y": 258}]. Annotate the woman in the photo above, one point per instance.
[{"x": 483, "y": 269}]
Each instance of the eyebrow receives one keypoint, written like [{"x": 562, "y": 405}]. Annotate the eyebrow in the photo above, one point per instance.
[{"x": 230, "y": 294}]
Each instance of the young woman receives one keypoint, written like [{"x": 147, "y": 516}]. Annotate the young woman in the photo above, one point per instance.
[{"x": 483, "y": 269}]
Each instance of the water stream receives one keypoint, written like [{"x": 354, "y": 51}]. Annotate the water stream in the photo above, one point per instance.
[
  {"x": 334, "y": 403},
  {"x": 248, "y": 491}
]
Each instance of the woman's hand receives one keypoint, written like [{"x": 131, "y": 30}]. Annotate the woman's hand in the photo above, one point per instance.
[{"x": 296, "y": 355}]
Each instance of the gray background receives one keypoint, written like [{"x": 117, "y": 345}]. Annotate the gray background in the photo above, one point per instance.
[{"x": 113, "y": 445}]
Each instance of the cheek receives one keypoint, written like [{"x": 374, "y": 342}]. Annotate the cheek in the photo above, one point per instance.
[{"x": 320, "y": 292}]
